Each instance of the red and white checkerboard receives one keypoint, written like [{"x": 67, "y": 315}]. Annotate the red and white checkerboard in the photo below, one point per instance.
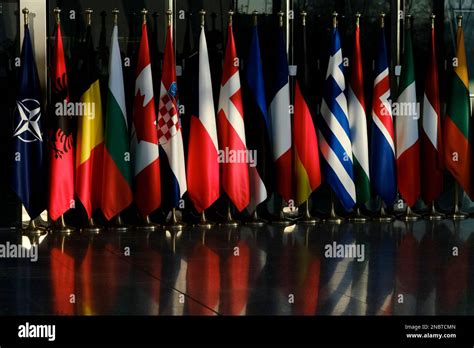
[{"x": 168, "y": 119}]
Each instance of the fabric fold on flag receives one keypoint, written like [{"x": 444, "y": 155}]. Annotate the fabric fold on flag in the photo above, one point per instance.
[
  {"x": 90, "y": 133},
  {"x": 358, "y": 124},
  {"x": 144, "y": 143},
  {"x": 306, "y": 155},
  {"x": 257, "y": 126},
  {"x": 231, "y": 130},
  {"x": 431, "y": 136},
  {"x": 334, "y": 130},
  {"x": 457, "y": 123},
  {"x": 279, "y": 114},
  {"x": 117, "y": 192},
  {"x": 203, "y": 163},
  {"x": 173, "y": 171},
  {"x": 382, "y": 155},
  {"x": 61, "y": 139}
]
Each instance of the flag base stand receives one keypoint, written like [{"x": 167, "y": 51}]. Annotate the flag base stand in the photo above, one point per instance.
[
  {"x": 307, "y": 219},
  {"x": 282, "y": 221},
  {"x": 147, "y": 226},
  {"x": 92, "y": 228},
  {"x": 333, "y": 218},
  {"x": 33, "y": 229},
  {"x": 119, "y": 226},
  {"x": 230, "y": 222},
  {"x": 61, "y": 227},
  {"x": 433, "y": 215},
  {"x": 457, "y": 214},
  {"x": 204, "y": 224},
  {"x": 255, "y": 221},
  {"x": 382, "y": 216},
  {"x": 357, "y": 217},
  {"x": 174, "y": 225},
  {"x": 409, "y": 216}
]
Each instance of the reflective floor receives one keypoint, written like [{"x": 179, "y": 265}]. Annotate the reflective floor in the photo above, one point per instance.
[{"x": 371, "y": 269}]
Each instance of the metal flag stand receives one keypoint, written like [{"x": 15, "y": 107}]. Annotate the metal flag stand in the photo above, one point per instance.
[
  {"x": 382, "y": 215},
  {"x": 119, "y": 226},
  {"x": 147, "y": 226},
  {"x": 409, "y": 216},
  {"x": 456, "y": 214},
  {"x": 307, "y": 218},
  {"x": 333, "y": 217},
  {"x": 91, "y": 227},
  {"x": 433, "y": 214},
  {"x": 61, "y": 227}
]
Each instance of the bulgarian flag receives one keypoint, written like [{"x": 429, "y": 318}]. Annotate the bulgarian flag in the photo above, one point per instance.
[
  {"x": 457, "y": 147},
  {"x": 358, "y": 124},
  {"x": 90, "y": 133},
  {"x": 117, "y": 192}
]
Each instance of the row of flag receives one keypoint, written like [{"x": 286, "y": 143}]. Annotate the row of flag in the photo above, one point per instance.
[{"x": 105, "y": 171}]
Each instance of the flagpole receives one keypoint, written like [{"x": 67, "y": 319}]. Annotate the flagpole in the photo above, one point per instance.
[
  {"x": 357, "y": 217},
  {"x": 281, "y": 220},
  {"x": 456, "y": 214},
  {"x": 60, "y": 225},
  {"x": 32, "y": 229}
]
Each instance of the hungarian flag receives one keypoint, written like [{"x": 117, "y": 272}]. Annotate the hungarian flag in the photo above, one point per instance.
[
  {"x": 406, "y": 123},
  {"x": 117, "y": 192},
  {"x": 203, "y": 164},
  {"x": 173, "y": 172},
  {"x": 358, "y": 124},
  {"x": 431, "y": 131},
  {"x": 457, "y": 147},
  {"x": 28, "y": 179},
  {"x": 257, "y": 126},
  {"x": 231, "y": 130},
  {"x": 144, "y": 135},
  {"x": 334, "y": 130},
  {"x": 382, "y": 156},
  {"x": 279, "y": 112},
  {"x": 90, "y": 132},
  {"x": 61, "y": 142},
  {"x": 306, "y": 154}
]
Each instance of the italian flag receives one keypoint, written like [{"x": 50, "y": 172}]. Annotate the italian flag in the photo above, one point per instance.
[
  {"x": 117, "y": 192},
  {"x": 457, "y": 147},
  {"x": 408, "y": 146}
]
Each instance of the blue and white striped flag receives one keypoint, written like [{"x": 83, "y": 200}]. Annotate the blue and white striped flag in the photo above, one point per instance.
[{"x": 334, "y": 131}]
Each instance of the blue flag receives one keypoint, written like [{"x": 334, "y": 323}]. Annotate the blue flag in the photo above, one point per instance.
[
  {"x": 334, "y": 131},
  {"x": 28, "y": 179},
  {"x": 257, "y": 125}
]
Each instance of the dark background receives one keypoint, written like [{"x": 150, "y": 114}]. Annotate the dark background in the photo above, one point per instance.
[{"x": 186, "y": 31}]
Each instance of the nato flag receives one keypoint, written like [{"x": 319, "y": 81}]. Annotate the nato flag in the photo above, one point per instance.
[{"x": 28, "y": 179}]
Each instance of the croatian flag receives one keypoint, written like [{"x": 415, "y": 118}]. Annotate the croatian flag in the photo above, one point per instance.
[{"x": 173, "y": 172}]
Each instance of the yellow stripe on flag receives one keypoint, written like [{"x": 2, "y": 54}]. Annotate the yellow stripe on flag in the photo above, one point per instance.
[
  {"x": 461, "y": 68},
  {"x": 90, "y": 130},
  {"x": 303, "y": 186}
]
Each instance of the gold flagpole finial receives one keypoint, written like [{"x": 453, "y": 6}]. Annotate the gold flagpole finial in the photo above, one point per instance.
[
  {"x": 25, "y": 12},
  {"x": 231, "y": 15},
  {"x": 115, "y": 13},
  {"x": 382, "y": 19},
  {"x": 89, "y": 12},
  {"x": 433, "y": 17},
  {"x": 57, "y": 12},
  {"x": 255, "y": 18},
  {"x": 202, "y": 13},
  {"x": 280, "y": 19},
  {"x": 303, "y": 17},
  {"x": 459, "y": 20},
  {"x": 334, "y": 19},
  {"x": 144, "y": 12},
  {"x": 358, "y": 15},
  {"x": 169, "y": 13}
]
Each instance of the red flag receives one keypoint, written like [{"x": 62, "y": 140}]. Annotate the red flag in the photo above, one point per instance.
[
  {"x": 61, "y": 154},
  {"x": 203, "y": 162},
  {"x": 231, "y": 130},
  {"x": 144, "y": 135},
  {"x": 431, "y": 132}
]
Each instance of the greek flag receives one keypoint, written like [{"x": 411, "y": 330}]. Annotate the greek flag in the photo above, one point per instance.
[{"x": 334, "y": 132}]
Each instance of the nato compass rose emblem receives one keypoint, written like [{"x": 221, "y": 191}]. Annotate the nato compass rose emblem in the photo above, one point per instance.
[{"x": 28, "y": 130}]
